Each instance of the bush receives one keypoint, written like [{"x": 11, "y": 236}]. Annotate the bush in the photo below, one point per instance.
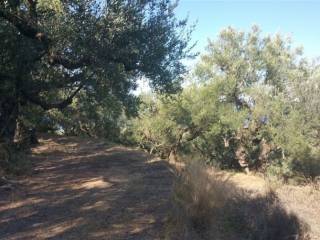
[{"x": 209, "y": 207}]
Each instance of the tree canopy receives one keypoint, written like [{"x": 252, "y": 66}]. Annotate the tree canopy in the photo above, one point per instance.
[
  {"x": 252, "y": 103},
  {"x": 52, "y": 51}
]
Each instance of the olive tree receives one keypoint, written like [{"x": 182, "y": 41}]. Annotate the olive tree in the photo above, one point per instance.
[{"x": 50, "y": 51}]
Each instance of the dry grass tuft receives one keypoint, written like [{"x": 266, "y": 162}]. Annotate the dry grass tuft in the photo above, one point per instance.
[{"x": 211, "y": 207}]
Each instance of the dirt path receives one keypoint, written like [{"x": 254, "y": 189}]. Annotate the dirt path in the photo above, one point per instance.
[{"x": 84, "y": 189}]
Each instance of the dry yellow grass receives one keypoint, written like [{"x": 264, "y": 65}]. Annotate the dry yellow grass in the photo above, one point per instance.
[
  {"x": 304, "y": 201},
  {"x": 211, "y": 204}
]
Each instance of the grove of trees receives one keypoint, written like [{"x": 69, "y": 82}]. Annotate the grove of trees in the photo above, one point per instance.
[{"x": 252, "y": 102}]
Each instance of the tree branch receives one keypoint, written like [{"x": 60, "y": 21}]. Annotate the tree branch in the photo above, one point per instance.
[
  {"x": 33, "y": 9},
  {"x": 35, "y": 87},
  {"x": 25, "y": 27},
  {"x": 46, "y": 106}
]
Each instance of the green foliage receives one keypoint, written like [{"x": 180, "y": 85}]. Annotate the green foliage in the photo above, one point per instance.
[
  {"x": 55, "y": 52},
  {"x": 89, "y": 117},
  {"x": 254, "y": 103}
]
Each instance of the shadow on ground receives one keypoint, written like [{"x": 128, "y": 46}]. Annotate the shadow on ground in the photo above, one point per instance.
[{"x": 86, "y": 189}]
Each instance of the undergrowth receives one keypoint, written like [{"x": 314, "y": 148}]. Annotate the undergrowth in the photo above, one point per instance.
[{"x": 210, "y": 207}]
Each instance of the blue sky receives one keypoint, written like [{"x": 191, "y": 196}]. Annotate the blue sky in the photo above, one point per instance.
[{"x": 299, "y": 19}]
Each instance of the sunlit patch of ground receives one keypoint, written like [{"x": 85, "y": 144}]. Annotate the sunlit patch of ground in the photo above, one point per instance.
[
  {"x": 304, "y": 201},
  {"x": 20, "y": 203},
  {"x": 97, "y": 205},
  {"x": 59, "y": 228},
  {"x": 92, "y": 183},
  {"x": 87, "y": 189}
]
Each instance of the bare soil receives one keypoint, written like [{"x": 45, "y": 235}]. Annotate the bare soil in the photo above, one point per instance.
[{"x": 87, "y": 189}]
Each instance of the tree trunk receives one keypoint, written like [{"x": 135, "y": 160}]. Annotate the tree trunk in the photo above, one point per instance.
[
  {"x": 8, "y": 119},
  {"x": 173, "y": 158}
]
